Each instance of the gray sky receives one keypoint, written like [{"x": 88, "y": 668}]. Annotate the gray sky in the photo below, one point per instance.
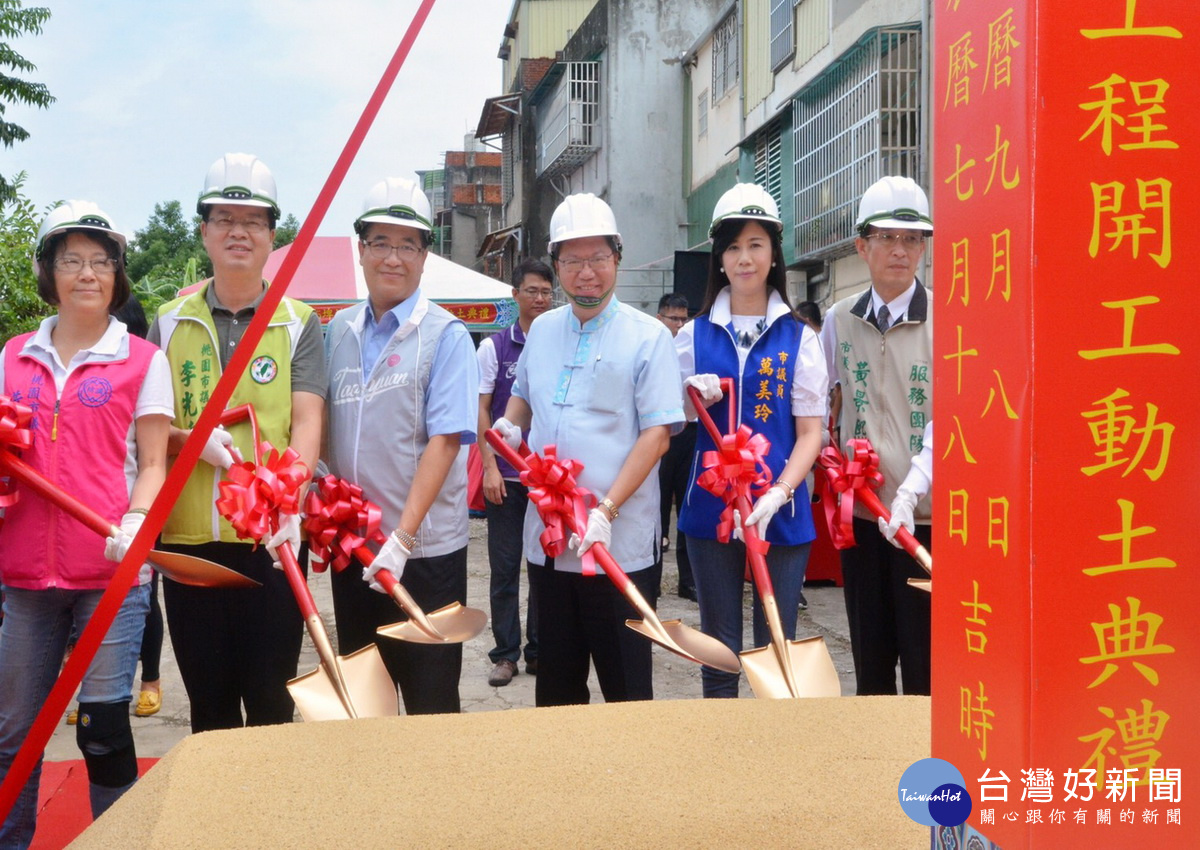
[{"x": 150, "y": 93}]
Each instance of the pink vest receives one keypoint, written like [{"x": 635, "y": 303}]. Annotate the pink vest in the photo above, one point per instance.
[{"x": 83, "y": 453}]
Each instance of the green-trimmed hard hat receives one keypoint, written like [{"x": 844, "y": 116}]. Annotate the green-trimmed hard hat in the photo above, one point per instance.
[
  {"x": 395, "y": 200},
  {"x": 747, "y": 201},
  {"x": 75, "y": 215},
  {"x": 894, "y": 202},
  {"x": 239, "y": 179}
]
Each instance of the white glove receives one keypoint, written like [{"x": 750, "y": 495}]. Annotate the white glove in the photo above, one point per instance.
[
  {"x": 902, "y": 515},
  {"x": 765, "y": 508},
  {"x": 217, "y": 450},
  {"x": 117, "y": 545},
  {"x": 709, "y": 387},
  {"x": 392, "y": 557},
  {"x": 599, "y": 530},
  {"x": 510, "y": 433},
  {"x": 289, "y": 532}
]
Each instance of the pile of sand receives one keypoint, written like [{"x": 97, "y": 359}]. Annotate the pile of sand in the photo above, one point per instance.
[{"x": 741, "y": 773}]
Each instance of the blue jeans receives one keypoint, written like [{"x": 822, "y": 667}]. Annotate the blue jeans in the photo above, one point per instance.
[
  {"x": 33, "y": 640},
  {"x": 505, "y": 525},
  {"x": 719, "y": 570}
]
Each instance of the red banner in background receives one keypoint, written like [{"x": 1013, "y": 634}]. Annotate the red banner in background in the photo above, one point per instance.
[{"x": 1064, "y": 650}]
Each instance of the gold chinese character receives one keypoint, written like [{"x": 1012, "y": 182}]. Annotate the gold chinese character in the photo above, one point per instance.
[
  {"x": 960, "y": 270},
  {"x": 1112, "y": 427},
  {"x": 764, "y": 391},
  {"x": 1148, "y": 93},
  {"x": 974, "y": 717},
  {"x": 960, "y": 64},
  {"x": 998, "y": 524},
  {"x": 999, "y": 160},
  {"x": 766, "y": 366},
  {"x": 992, "y": 393},
  {"x": 1127, "y": 637},
  {"x": 958, "y": 514},
  {"x": 1107, "y": 203},
  {"x": 1001, "y": 243},
  {"x": 957, "y": 437},
  {"x": 1141, "y": 733},
  {"x": 1129, "y": 29},
  {"x": 1000, "y": 44},
  {"x": 1126, "y": 536},
  {"x": 1128, "y": 308},
  {"x": 956, "y": 176},
  {"x": 976, "y": 639}
]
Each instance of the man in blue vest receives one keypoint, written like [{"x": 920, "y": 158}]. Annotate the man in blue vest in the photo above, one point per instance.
[
  {"x": 505, "y": 496},
  {"x": 403, "y": 399}
]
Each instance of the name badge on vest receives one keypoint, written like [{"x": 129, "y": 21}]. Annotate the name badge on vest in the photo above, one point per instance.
[{"x": 264, "y": 369}]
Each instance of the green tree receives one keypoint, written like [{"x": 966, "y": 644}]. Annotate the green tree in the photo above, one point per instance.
[
  {"x": 21, "y": 309},
  {"x": 163, "y": 248},
  {"x": 14, "y": 22},
  {"x": 285, "y": 232}
]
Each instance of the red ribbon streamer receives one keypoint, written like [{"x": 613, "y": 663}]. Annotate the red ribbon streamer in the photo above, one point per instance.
[
  {"x": 560, "y": 502},
  {"x": 89, "y": 642},
  {"x": 339, "y": 519},
  {"x": 15, "y": 422},
  {"x": 736, "y": 467},
  {"x": 255, "y": 495},
  {"x": 844, "y": 476}
]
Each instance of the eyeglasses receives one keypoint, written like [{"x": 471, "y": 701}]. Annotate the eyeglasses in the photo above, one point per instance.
[
  {"x": 677, "y": 320},
  {"x": 382, "y": 250},
  {"x": 74, "y": 265},
  {"x": 910, "y": 241},
  {"x": 576, "y": 264},
  {"x": 253, "y": 226},
  {"x": 535, "y": 294}
]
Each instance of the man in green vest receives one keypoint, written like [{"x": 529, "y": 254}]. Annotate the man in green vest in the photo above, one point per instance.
[{"x": 237, "y": 648}]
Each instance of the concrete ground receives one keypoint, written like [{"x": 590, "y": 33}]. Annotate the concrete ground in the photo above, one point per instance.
[{"x": 674, "y": 678}]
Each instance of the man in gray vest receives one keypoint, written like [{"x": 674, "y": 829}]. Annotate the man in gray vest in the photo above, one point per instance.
[
  {"x": 404, "y": 389},
  {"x": 879, "y": 350}
]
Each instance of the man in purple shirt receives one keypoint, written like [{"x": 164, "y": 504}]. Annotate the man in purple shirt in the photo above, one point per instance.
[{"x": 505, "y": 496}]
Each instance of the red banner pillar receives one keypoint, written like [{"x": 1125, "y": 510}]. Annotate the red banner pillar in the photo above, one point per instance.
[{"x": 1066, "y": 652}]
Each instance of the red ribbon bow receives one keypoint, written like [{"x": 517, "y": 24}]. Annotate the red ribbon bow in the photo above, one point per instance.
[
  {"x": 556, "y": 495},
  {"x": 736, "y": 467},
  {"x": 15, "y": 423},
  {"x": 254, "y": 496},
  {"x": 339, "y": 519},
  {"x": 843, "y": 477}
]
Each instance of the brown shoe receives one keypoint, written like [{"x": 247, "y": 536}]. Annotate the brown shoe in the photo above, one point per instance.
[{"x": 502, "y": 673}]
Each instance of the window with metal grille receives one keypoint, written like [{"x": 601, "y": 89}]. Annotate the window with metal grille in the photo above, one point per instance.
[
  {"x": 783, "y": 44},
  {"x": 857, "y": 121},
  {"x": 725, "y": 56},
  {"x": 768, "y": 160},
  {"x": 567, "y": 132},
  {"x": 702, "y": 114},
  {"x": 508, "y": 154}
]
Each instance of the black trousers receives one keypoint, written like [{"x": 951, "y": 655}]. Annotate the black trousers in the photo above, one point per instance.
[
  {"x": 889, "y": 620},
  {"x": 581, "y": 620},
  {"x": 427, "y": 675},
  {"x": 674, "y": 475},
  {"x": 235, "y": 647}
]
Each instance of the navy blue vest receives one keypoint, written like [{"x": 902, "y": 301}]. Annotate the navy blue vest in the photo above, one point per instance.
[{"x": 765, "y": 405}]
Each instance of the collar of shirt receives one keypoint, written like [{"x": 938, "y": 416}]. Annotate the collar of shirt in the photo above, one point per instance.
[
  {"x": 720, "y": 313},
  {"x": 375, "y": 334},
  {"x": 898, "y": 306},
  {"x": 598, "y": 321},
  {"x": 113, "y": 345},
  {"x": 214, "y": 303}
]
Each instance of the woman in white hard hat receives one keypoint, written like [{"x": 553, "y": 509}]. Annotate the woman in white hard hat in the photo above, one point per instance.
[
  {"x": 102, "y": 403},
  {"x": 746, "y": 330}
]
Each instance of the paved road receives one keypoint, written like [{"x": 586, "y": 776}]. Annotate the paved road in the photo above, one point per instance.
[{"x": 674, "y": 678}]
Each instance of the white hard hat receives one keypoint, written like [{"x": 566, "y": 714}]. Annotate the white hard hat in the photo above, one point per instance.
[
  {"x": 894, "y": 202},
  {"x": 239, "y": 179},
  {"x": 581, "y": 216},
  {"x": 76, "y": 215},
  {"x": 746, "y": 201},
  {"x": 395, "y": 200}
]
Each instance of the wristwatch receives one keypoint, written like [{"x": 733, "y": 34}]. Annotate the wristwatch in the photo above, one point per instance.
[{"x": 610, "y": 508}]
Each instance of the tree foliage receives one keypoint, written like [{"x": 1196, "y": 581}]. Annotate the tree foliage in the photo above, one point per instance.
[
  {"x": 21, "y": 309},
  {"x": 285, "y": 232},
  {"x": 16, "y": 21}
]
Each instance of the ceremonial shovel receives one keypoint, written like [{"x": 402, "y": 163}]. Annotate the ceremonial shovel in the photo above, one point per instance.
[
  {"x": 831, "y": 461},
  {"x": 185, "y": 569},
  {"x": 795, "y": 668},
  {"x": 344, "y": 686},
  {"x": 670, "y": 634}
]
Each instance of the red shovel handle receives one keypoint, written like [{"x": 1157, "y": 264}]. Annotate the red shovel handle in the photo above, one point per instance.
[
  {"x": 42, "y": 486},
  {"x": 291, "y": 569},
  {"x": 911, "y": 545},
  {"x": 236, "y": 414}
]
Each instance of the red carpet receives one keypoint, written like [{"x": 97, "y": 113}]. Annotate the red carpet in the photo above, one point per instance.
[{"x": 63, "y": 808}]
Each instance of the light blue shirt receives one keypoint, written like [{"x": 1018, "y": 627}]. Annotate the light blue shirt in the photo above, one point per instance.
[
  {"x": 593, "y": 389},
  {"x": 452, "y": 397}
]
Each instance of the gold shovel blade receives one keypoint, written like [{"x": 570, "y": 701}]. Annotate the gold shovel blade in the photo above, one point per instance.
[
  {"x": 689, "y": 643},
  {"x": 198, "y": 572},
  {"x": 454, "y": 623},
  {"x": 371, "y": 689},
  {"x": 925, "y": 584},
  {"x": 812, "y": 668}
]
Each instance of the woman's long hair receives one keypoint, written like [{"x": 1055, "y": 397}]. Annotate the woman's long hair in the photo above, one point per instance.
[{"x": 727, "y": 232}]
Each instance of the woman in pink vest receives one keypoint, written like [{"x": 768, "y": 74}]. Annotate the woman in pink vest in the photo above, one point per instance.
[{"x": 102, "y": 406}]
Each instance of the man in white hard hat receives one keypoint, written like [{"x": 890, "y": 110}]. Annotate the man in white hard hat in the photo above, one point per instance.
[
  {"x": 403, "y": 398},
  {"x": 237, "y": 648},
  {"x": 600, "y": 381},
  {"x": 879, "y": 349}
]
